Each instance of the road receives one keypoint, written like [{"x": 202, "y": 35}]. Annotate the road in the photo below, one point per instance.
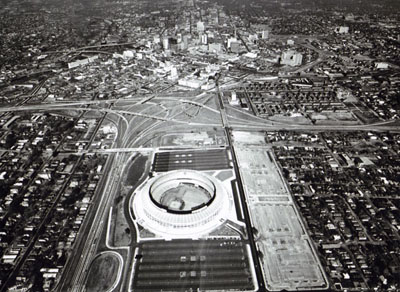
[
  {"x": 244, "y": 205},
  {"x": 82, "y": 238},
  {"x": 89, "y": 237},
  {"x": 135, "y": 128},
  {"x": 92, "y": 216},
  {"x": 47, "y": 217}
]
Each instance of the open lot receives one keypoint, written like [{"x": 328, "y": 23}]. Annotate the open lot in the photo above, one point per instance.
[
  {"x": 286, "y": 252},
  {"x": 288, "y": 260},
  {"x": 260, "y": 174}
]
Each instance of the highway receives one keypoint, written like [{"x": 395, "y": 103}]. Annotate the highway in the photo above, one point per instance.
[
  {"x": 138, "y": 126},
  {"x": 89, "y": 242},
  {"x": 90, "y": 236},
  {"x": 90, "y": 239},
  {"x": 253, "y": 123},
  {"x": 76, "y": 257},
  {"x": 242, "y": 197},
  {"x": 83, "y": 237}
]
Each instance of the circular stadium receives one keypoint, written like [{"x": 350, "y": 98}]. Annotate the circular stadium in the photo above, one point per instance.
[{"x": 181, "y": 204}]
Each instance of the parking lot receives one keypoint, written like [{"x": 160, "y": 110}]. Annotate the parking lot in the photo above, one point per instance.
[
  {"x": 213, "y": 159},
  {"x": 181, "y": 265}
]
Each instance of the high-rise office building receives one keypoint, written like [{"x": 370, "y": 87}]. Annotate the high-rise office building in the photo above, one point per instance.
[
  {"x": 230, "y": 41},
  {"x": 166, "y": 43},
  {"x": 215, "y": 48},
  {"x": 204, "y": 39},
  {"x": 200, "y": 26},
  {"x": 265, "y": 34},
  {"x": 291, "y": 58}
]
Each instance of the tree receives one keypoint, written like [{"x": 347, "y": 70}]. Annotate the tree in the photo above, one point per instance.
[
  {"x": 118, "y": 199},
  {"x": 10, "y": 140}
]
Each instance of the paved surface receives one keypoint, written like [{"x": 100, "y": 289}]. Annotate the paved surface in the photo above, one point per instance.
[
  {"x": 181, "y": 265},
  {"x": 288, "y": 258},
  {"x": 214, "y": 159}
]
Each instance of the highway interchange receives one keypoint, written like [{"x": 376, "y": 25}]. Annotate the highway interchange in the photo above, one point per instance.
[{"x": 140, "y": 122}]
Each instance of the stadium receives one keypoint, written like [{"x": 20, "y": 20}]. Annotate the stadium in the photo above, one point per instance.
[{"x": 181, "y": 204}]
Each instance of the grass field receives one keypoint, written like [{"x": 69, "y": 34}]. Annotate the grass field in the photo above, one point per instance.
[
  {"x": 136, "y": 170},
  {"x": 102, "y": 273},
  {"x": 119, "y": 225}
]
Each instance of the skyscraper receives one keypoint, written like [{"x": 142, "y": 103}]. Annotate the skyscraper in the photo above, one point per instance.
[
  {"x": 200, "y": 26},
  {"x": 166, "y": 43},
  {"x": 204, "y": 39},
  {"x": 291, "y": 58}
]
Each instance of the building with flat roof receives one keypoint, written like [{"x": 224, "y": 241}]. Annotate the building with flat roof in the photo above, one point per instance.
[{"x": 291, "y": 58}]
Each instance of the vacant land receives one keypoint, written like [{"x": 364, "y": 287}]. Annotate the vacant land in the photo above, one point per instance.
[
  {"x": 260, "y": 174},
  {"x": 288, "y": 260}
]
